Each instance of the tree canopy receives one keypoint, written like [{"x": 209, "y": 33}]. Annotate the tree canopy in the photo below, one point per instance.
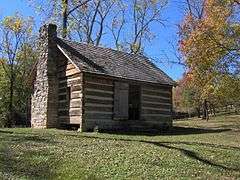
[
  {"x": 16, "y": 57},
  {"x": 209, "y": 43}
]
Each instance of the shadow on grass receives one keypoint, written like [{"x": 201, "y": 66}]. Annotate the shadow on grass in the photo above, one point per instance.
[
  {"x": 6, "y": 132},
  {"x": 189, "y": 153},
  {"x": 31, "y": 160},
  {"x": 175, "y": 131},
  {"x": 230, "y": 126},
  {"x": 33, "y": 139},
  {"x": 195, "y": 156}
]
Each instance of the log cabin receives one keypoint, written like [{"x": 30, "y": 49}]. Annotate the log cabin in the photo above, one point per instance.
[{"x": 77, "y": 84}]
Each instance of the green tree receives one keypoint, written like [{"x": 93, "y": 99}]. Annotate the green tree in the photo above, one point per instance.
[{"x": 17, "y": 46}]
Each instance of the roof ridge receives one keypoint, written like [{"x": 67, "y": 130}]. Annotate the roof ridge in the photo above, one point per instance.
[{"x": 101, "y": 47}]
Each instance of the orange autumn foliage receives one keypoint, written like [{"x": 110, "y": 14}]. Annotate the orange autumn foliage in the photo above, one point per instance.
[{"x": 206, "y": 43}]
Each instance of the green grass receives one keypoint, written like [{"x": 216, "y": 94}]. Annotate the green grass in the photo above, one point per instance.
[{"x": 193, "y": 149}]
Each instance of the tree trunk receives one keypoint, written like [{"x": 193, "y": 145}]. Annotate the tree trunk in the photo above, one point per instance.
[
  {"x": 198, "y": 112},
  {"x": 210, "y": 109},
  {"x": 205, "y": 110},
  {"x": 213, "y": 111},
  {"x": 10, "y": 108},
  {"x": 65, "y": 18}
]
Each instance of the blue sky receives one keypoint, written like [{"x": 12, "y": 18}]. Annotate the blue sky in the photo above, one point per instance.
[{"x": 160, "y": 48}]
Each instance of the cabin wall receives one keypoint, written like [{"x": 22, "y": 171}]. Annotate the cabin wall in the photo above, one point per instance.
[
  {"x": 98, "y": 105},
  {"x": 156, "y": 105},
  {"x": 69, "y": 93}
]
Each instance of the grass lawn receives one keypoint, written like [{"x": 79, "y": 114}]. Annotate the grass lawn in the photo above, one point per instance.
[{"x": 193, "y": 149}]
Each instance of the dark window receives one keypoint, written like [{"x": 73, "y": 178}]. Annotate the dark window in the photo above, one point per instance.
[{"x": 134, "y": 102}]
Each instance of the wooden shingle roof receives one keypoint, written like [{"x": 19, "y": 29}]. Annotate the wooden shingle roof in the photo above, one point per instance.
[{"x": 106, "y": 61}]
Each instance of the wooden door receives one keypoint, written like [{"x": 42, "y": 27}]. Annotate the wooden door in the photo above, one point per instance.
[{"x": 121, "y": 91}]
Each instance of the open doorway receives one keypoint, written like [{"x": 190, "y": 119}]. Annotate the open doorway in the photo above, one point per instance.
[{"x": 134, "y": 102}]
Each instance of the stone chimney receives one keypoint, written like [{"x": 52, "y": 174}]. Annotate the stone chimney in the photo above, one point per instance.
[{"x": 45, "y": 95}]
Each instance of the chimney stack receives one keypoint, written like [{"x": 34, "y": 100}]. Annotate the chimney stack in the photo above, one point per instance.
[
  {"x": 44, "y": 97},
  {"x": 49, "y": 31}
]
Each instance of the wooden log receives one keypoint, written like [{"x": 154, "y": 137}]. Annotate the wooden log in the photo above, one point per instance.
[
  {"x": 156, "y": 87},
  {"x": 98, "y": 105},
  {"x": 70, "y": 66},
  {"x": 75, "y": 119},
  {"x": 76, "y": 88},
  {"x": 75, "y": 112},
  {"x": 102, "y": 109},
  {"x": 76, "y": 95},
  {"x": 97, "y": 101},
  {"x": 97, "y": 80},
  {"x": 97, "y": 112},
  {"x": 98, "y": 86},
  {"x": 97, "y": 90},
  {"x": 157, "y": 93},
  {"x": 94, "y": 115},
  {"x": 65, "y": 67},
  {"x": 72, "y": 72},
  {"x": 100, "y": 121},
  {"x": 75, "y": 75},
  {"x": 160, "y": 100},
  {"x": 156, "y": 103},
  {"x": 68, "y": 73},
  {"x": 151, "y": 105},
  {"x": 69, "y": 79},
  {"x": 75, "y": 104},
  {"x": 154, "y": 96},
  {"x": 72, "y": 82},
  {"x": 99, "y": 94},
  {"x": 99, "y": 97},
  {"x": 75, "y": 100}
]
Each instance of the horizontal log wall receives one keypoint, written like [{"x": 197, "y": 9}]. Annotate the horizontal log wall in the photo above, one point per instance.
[
  {"x": 98, "y": 102},
  {"x": 69, "y": 93},
  {"x": 98, "y": 105},
  {"x": 156, "y": 104}
]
